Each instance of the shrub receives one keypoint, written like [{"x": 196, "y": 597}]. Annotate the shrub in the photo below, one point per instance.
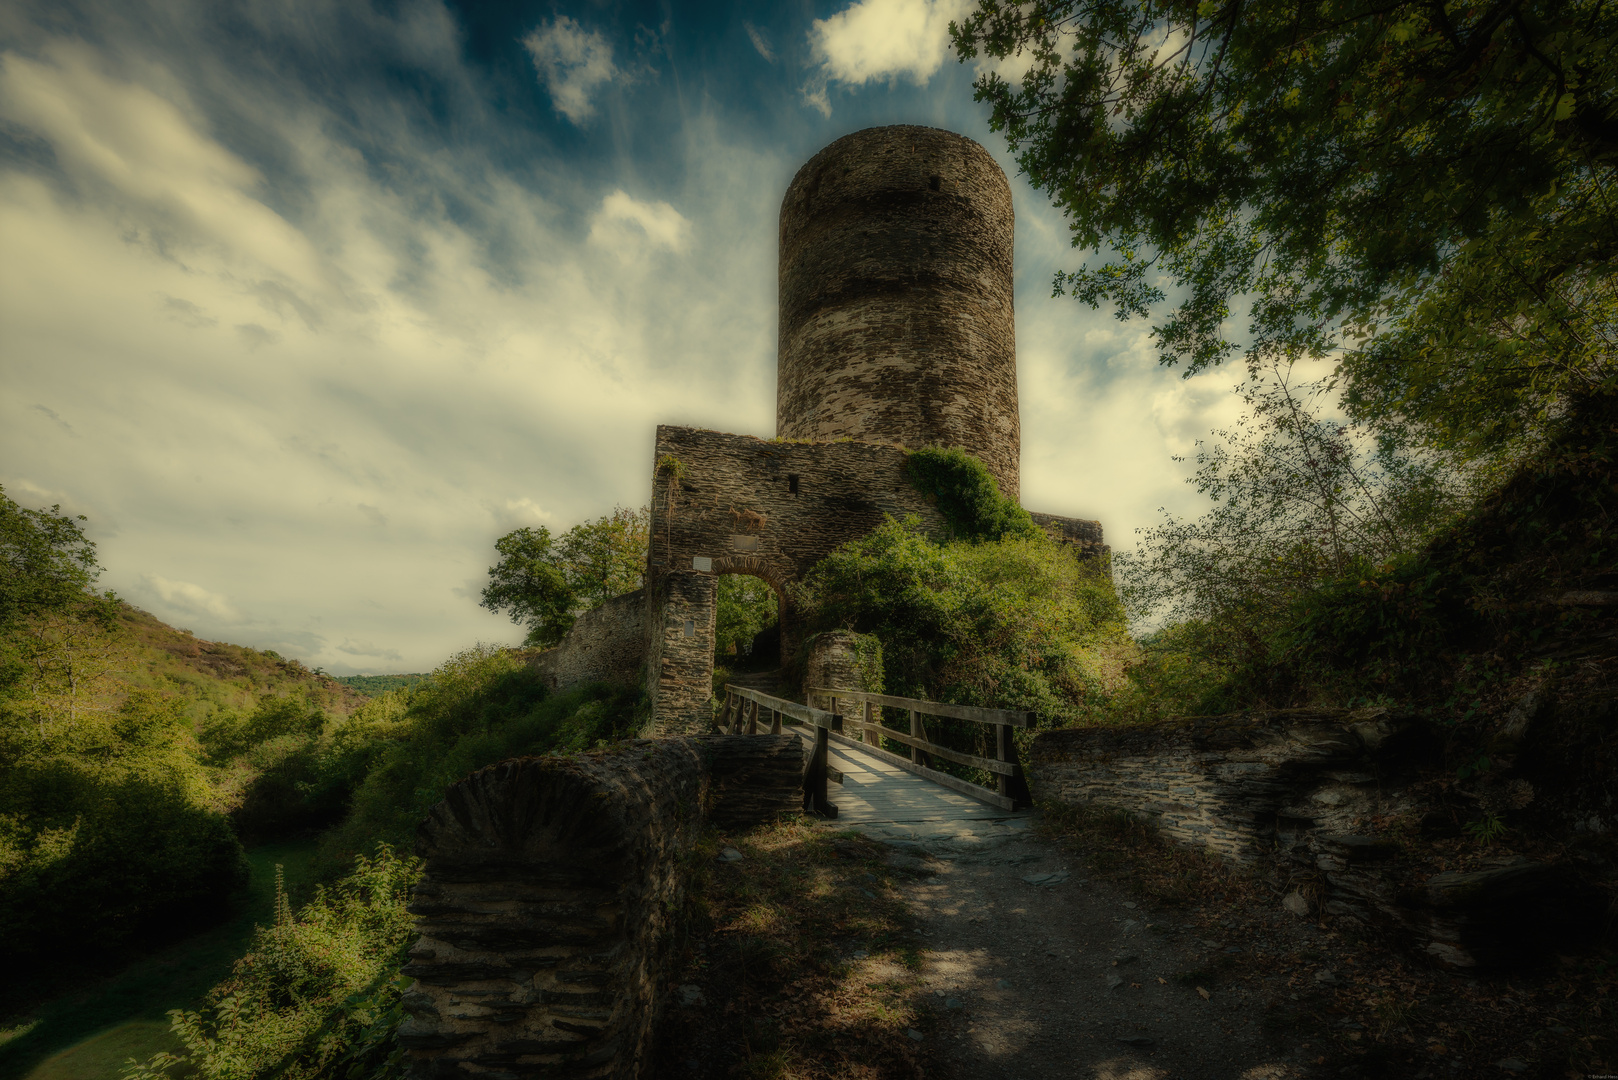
[
  {"x": 967, "y": 495},
  {"x": 106, "y": 831},
  {"x": 1014, "y": 623},
  {"x": 481, "y": 706},
  {"x": 316, "y": 995}
]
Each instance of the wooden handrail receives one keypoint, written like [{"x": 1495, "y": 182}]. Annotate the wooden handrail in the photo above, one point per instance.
[
  {"x": 1010, "y": 786},
  {"x": 802, "y": 713},
  {"x": 1008, "y": 717}
]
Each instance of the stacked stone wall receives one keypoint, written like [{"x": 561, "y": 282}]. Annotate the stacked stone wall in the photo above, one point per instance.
[
  {"x": 607, "y": 643},
  {"x": 679, "y": 673},
  {"x": 735, "y": 504},
  {"x": 1298, "y": 790},
  {"x": 551, "y": 897},
  {"x": 896, "y": 321}
]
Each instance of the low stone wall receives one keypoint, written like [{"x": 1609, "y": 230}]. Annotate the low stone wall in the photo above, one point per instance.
[
  {"x": 1296, "y": 789},
  {"x": 1237, "y": 785},
  {"x": 551, "y": 898},
  {"x": 607, "y": 644}
]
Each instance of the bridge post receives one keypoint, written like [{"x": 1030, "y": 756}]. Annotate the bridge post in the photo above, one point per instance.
[
  {"x": 814, "y": 776},
  {"x": 1015, "y": 786}
]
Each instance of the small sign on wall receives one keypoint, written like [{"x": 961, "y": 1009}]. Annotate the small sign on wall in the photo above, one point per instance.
[
  {"x": 701, "y": 562},
  {"x": 744, "y": 543},
  {"x": 690, "y": 628}
]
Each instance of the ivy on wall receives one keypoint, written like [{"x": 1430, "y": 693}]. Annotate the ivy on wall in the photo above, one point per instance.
[{"x": 967, "y": 495}]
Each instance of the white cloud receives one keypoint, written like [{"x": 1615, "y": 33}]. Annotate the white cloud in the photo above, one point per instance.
[
  {"x": 190, "y": 599},
  {"x": 415, "y": 381},
  {"x": 630, "y": 229},
  {"x": 880, "y": 40},
  {"x": 760, "y": 41},
  {"x": 572, "y": 63},
  {"x": 362, "y": 649}
]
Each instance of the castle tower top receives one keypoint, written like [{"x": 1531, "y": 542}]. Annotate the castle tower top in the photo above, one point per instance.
[{"x": 896, "y": 297}]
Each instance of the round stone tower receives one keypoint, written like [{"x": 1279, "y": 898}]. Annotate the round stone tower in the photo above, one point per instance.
[{"x": 896, "y": 316}]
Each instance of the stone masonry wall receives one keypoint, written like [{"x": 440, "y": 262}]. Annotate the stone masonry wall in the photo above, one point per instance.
[
  {"x": 606, "y": 643},
  {"x": 1297, "y": 788},
  {"x": 772, "y": 509},
  {"x": 548, "y": 904},
  {"x": 896, "y": 297},
  {"x": 1237, "y": 786},
  {"x": 1080, "y": 533},
  {"x": 679, "y": 674}
]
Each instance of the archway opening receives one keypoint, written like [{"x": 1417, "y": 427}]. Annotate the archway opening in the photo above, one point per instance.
[{"x": 747, "y": 624}]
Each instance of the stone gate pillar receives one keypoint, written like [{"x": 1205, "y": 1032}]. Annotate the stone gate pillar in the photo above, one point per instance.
[{"x": 679, "y": 678}]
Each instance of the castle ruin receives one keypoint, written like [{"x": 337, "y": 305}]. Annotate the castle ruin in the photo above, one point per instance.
[{"x": 896, "y": 332}]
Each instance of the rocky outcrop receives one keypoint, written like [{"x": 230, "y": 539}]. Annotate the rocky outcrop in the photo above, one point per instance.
[{"x": 552, "y": 894}]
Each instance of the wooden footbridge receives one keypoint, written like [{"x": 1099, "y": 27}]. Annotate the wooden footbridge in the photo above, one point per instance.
[{"x": 899, "y": 795}]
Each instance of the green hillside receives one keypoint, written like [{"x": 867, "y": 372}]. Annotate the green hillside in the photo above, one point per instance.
[{"x": 213, "y": 676}]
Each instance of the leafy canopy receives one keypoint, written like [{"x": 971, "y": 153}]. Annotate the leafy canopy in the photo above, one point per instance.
[
  {"x": 1429, "y": 184},
  {"x": 546, "y": 583},
  {"x": 1300, "y": 503},
  {"x": 743, "y": 606},
  {"x": 1013, "y": 623},
  {"x": 47, "y": 564}
]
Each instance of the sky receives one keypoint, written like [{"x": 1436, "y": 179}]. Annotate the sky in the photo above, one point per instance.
[{"x": 303, "y": 304}]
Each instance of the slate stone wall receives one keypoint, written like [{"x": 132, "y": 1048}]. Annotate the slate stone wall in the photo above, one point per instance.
[
  {"x": 607, "y": 643},
  {"x": 679, "y": 675},
  {"x": 1298, "y": 789},
  {"x": 896, "y": 321},
  {"x": 550, "y": 899},
  {"x": 1237, "y": 785},
  {"x": 736, "y": 504}
]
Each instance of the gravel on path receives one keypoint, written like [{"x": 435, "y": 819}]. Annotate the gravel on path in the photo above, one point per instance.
[{"x": 1033, "y": 972}]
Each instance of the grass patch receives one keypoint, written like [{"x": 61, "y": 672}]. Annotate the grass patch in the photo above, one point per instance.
[{"x": 799, "y": 962}]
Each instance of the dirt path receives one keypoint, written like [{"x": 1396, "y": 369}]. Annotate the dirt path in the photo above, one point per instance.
[{"x": 1071, "y": 978}]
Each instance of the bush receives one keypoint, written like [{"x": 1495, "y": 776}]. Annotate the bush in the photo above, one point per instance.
[
  {"x": 967, "y": 495},
  {"x": 289, "y": 776},
  {"x": 1017, "y": 623},
  {"x": 482, "y": 706},
  {"x": 106, "y": 832},
  {"x": 316, "y": 995}
]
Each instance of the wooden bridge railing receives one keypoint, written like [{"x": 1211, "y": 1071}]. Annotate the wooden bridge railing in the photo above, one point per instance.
[
  {"x": 1011, "y": 787},
  {"x": 742, "y": 716}
]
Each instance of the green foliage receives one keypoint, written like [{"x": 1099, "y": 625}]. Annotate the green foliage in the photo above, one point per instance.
[
  {"x": 545, "y": 584},
  {"x": 380, "y": 684},
  {"x": 1301, "y": 505},
  {"x": 316, "y": 995},
  {"x": 47, "y": 564},
  {"x": 105, "y": 829},
  {"x": 967, "y": 495},
  {"x": 1015, "y": 623},
  {"x": 481, "y": 706},
  {"x": 1430, "y": 185},
  {"x": 743, "y": 606}
]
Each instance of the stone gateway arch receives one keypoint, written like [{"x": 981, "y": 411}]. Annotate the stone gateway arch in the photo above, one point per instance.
[{"x": 896, "y": 332}]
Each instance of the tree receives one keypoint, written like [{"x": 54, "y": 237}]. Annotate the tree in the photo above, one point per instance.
[
  {"x": 1300, "y": 501},
  {"x": 743, "y": 606},
  {"x": 546, "y": 583},
  {"x": 1427, "y": 183},
  {"x": 47, "y": 564}
]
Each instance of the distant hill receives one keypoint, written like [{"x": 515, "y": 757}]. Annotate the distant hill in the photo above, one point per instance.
[
  {"x": 381, "y": 684},
  {"x": 216, "y": 676}
]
